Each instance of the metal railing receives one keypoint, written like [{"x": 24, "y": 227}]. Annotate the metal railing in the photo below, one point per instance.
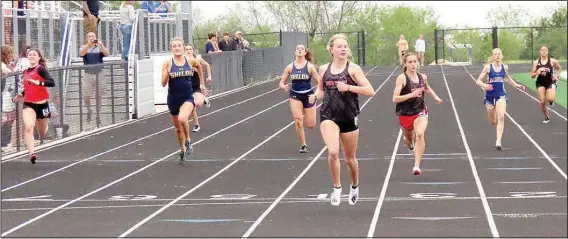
[{"x": 90, "y": 97}]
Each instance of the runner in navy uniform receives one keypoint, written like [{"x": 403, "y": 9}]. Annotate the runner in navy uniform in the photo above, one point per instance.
[
  {"x": 411, "y": 107},
  {"x": 339, "y": 88},
  {"x": 196, "y": 84},
  {"x": 301, "y": 72},
  {"x": 545, "y": 80},
  {"x": 177, "y": 74},
  {"x": 495, "y": 74}
]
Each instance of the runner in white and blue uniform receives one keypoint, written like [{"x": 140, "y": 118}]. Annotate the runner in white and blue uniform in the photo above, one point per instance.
[
  {"x": 301, "y": 72},
  {"x": 177, "y": 74},
  {"x": 492, "y": 81}
]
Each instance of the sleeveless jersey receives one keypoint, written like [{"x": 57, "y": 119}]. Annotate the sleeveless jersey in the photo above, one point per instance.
[
  {"x": 338, "y": 106},
  {"x": 411, "y": 106},
  {"x": 180, "y": 80},
  {"x": 544, "y": 78},
  {"x": 301, "y": 79},
  {"x": 496, "y": 79},
  {"x": 34, "y": 93},
  {"x": 195, "y": 83}
]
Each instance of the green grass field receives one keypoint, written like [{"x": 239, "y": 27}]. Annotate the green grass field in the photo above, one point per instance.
[{"x": 526, "y": 80}]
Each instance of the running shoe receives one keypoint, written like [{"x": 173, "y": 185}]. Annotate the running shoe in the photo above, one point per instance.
[
  {"x": 181, "y": 157},
  {"x": 546, "y": 120},
  {"x": 207, "y": 103},
  {"x": 416, "y": 170},
  {"x": 304, "y": 149},
  {"x": 353, "y": 195},
  {"x": 196, "y": 128},
  {"x": 498, "y": 145},
  {"x": 335, "y": 197},
  {"x": 188, "y": 147},
  {"x": 33, "y": 158}
]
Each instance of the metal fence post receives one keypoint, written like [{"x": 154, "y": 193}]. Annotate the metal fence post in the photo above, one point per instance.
[
  {"x": 436, "y": 47},
  {"x": 495, "y": 37}
]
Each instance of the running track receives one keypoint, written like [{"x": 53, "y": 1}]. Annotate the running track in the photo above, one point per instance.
[{"x": 246, "y": 177}]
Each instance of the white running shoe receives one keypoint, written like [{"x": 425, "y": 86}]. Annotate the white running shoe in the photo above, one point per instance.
[
  {"x": 416, "y": 170},
  {"x": 336, "y": 196},
  {"x": 207, "y": 103},
  {"x": 498, "y": 145},
  {"x": 353, "y": 195}
]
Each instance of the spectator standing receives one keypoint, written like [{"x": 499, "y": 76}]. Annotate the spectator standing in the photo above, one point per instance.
[
  {"x": 225, "y": 43},
  {"x": 237, "y": 43},
  {"x": 212, "y": 44},
  {"x": 164, "y": 7},
  {"x": 149, "y": 6},
  {"x": 126, "y": 21},
  {"x": 420, "y": 48},
  {"x": 93, "y": 53},
  {"x": 8, "y": 90},
  {"x": 91, "y": 18}
]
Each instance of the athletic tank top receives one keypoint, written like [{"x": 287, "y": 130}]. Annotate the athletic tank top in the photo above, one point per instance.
[
  {"x": 544, "y": 78},
  {"x": 301, "y": 79},
  {"x": 195, "y": 83},
  {"x": 411, "y": 106},
  {"x": 34, "y": 93},
  {"x": 180, "y": 80},
  {"x": 496, "y": 79},
  {"x": 338, "y": 106}
]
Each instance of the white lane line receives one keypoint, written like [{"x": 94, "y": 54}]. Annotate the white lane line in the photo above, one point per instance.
[
  {"x": 273, "y": 205},
  {"x": 122, "y": 146},
  {"x": 534, "y": 142},
  {"x": 489, "y": 215},
  {"x": 135, "y": 172},
  {"x": 375, "y": 219}
]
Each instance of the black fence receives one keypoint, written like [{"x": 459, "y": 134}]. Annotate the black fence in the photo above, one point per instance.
[
  {"x": 84, "y": 98},
  {"x": 519, "y": 44}
]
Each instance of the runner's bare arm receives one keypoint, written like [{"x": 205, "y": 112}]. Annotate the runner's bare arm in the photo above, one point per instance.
[
  {"x": 363, "y": 86},
  {"x": 429, "y": 89},
  {"x": 165, "y": 72},
  {"x": 396, "y": 97}
]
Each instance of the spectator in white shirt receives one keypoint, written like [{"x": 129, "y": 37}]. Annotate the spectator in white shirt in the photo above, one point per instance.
[
  {"x": 126, "y": 21},
  {"x": 420, "y": 48}
]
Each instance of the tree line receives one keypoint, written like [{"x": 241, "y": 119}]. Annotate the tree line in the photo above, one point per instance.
[{"x": 383, "y": 25}]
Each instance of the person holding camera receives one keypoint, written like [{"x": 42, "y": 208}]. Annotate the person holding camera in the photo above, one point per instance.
[{"x": 92, "y": 53}]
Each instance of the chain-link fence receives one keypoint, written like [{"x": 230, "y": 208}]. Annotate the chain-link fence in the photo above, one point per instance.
[
  {"x": 519, "y": 44},
  {"x": 84, "y": 98}
]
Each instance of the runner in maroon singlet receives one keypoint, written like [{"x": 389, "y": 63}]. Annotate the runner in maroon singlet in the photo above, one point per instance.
[
  {"x": 546, "y": 81},
  {"x": 411, "y": 107},
  {"x": 342, "y": 82}
]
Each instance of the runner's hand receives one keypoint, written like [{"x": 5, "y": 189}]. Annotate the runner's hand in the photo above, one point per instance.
[
  {"x": 285, "y": 88},
  {"x": 312, "y": 98},
  {"x": 488, "y": 87}
]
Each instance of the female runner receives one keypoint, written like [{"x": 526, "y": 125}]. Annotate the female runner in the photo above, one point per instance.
[
  {"x": 177, "y": 74},
  {"x": 411, "y": 107},
  {"x": 196, "y": 83},
  {"x": 545, "y": 80},
  {"x": 342, "y": 82},
  {"x": 35, "y": 95},
  {"x": 301, "y": 72},
  {"x": 491, "y": 80}
]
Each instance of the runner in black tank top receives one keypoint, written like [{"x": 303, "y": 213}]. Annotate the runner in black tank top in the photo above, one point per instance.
[
  {"x": 411, "y": 108},
  {"x": 342, "y": 82},
  {"x": 301, "y": 72},
  {"x": 546, "y": 80}
]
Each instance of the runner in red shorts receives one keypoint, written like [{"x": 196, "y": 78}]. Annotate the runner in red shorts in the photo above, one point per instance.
[{"x": 411, "y": 107}]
